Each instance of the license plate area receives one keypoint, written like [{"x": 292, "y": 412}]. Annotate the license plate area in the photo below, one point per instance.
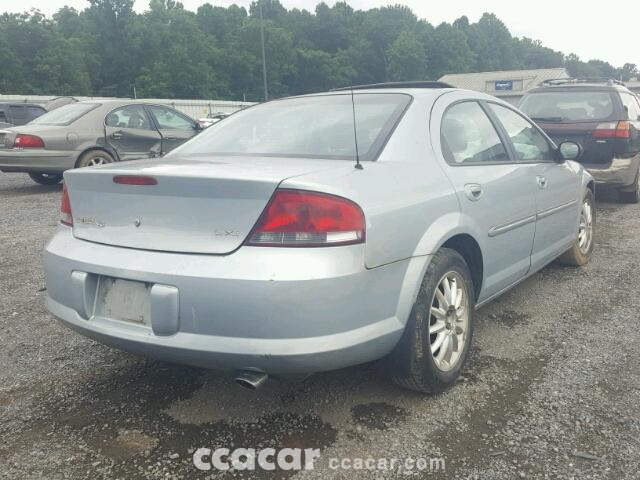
[{"x": 125, "y": 300}]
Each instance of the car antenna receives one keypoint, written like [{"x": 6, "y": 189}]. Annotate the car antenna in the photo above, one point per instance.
[{"x": 355, "y": 130}]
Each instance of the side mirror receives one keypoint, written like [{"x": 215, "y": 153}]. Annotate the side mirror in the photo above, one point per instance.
[
  {"x": 197, "y": 127},
  {"x": 569, "y": 151}
]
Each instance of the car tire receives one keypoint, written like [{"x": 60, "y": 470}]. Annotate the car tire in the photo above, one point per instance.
[
  {"x": 417, "y": 362},
  {"x": 46, "y": 178},
  {"x": 633, "y": 195},
  {"x": 93, "y": 158},
  {"x": 580, "y": 253}
]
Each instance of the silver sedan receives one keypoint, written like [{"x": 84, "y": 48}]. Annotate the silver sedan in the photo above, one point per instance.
[{"x": 318, "y": 232}]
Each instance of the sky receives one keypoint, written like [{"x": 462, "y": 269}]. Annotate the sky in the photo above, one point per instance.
[{"x": 588, "y": 28}]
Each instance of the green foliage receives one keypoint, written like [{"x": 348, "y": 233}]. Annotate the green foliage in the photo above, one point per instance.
[{"x": 170, "y": 52}]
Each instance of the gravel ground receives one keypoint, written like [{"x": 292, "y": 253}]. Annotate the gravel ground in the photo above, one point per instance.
[{"x": 552, "y": 389}]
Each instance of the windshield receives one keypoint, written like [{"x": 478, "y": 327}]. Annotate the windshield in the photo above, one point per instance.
[
  {"x": 64, "y": 115},
  {"x": 306, "y": 127},
  {"x": 578, "y": 106}
]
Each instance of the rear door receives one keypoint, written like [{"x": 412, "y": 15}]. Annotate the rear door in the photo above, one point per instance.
[
  {"x": 174, "y": 127},
  {"x": 130, "y": 132},
  {"x": 557, "y": 186},
  {"x": 495, "y": 193}
]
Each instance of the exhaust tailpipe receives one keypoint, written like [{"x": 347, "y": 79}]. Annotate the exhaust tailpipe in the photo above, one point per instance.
[{"x": 251, "y": 380}]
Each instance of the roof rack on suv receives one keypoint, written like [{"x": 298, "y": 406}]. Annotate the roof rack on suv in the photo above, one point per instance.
[
  {"x": 569, "y": 81},
  {"x": 375, "y": 86}
]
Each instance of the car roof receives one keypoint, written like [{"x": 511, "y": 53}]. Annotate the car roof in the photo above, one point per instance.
[
  {"x": 591, "y": 87},
  {"x": 110, "y": 101},
  {"x": 19, "y": 104},
  {"x": 428, "y": 94}
]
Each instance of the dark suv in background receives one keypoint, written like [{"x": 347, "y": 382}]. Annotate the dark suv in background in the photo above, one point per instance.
[
  {"x": 19, "y": 113},
  {"x": 600, "y": 115}
]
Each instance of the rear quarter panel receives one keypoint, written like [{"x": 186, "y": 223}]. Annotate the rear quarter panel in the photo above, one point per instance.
[{"x": 409, "y": 204}]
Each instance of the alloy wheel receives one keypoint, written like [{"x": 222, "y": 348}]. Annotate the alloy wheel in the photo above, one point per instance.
[
  {"x": 98, "y": 160},
  {"x": 449, "y": 321},
  {"x": 585, "y": 229}
]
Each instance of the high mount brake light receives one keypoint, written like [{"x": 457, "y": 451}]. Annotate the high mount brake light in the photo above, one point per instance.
[
  {"x": 298, "y": 218},
  {"x": 134, "y": 180},
  {"x": 65, "y": 208}
]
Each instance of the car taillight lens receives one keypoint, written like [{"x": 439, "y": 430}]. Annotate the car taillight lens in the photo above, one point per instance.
[
  {"x": 613, "y": 130},
  {"x": 27, "y": 141},
  {"x": 297, "y": 218},
  {"x": 65, "y": 208}
]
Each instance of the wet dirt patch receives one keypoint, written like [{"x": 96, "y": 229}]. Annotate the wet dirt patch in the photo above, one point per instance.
[
  {"x": 482, "y": 439},
  {"x": 377, "y": 416},
  {"x": 125, "y": 445},
  {"x": 178, "y": 443},
  {"x": 121, "y": 430},
  {"x": 510, "y": 318}
]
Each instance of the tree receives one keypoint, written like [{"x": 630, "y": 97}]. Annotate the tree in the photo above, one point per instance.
[
  {"x": 214, "y": 52},
  {"x": 407, "y": 60},
  {"x": 629, "y": 71},
  {"x": 449, "y": 52},
  {"x": 493, "y": 45}
]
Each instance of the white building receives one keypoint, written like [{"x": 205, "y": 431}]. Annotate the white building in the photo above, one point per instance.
[{"x": 509, "y": 85}]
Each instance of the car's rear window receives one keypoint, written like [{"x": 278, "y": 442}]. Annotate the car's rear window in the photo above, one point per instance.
[
  {"x": 564, "y": 106},
  {"x": 64, "y": 115},
  {"x": 306, "y": 127}
]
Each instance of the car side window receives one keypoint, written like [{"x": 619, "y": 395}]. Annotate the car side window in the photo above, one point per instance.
[
  {"x": 168, "y": 119},
  {"x": 35, "y": 112},
  {"x": 18, "y": 112},
  {"x": 468, "y": 136},
  {"x": 631, "y": 106},
  {"x": 528, "y": 143},
  {"x": 130, "y": 116}
]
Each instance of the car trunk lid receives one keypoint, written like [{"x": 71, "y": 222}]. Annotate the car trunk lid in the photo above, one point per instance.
[{"x": 197, "y": 206}]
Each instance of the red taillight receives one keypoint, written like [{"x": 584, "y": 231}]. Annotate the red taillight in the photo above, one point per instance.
[
  {"x": 613, "y": 130},
  {"x": 297, "y": 218},
  {"x": 27, "y": 141},
  {"x": 65, "y": 208},
  {"x": 134, "y": 180}
]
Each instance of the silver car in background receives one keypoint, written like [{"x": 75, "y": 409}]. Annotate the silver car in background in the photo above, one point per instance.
[{"x": 270, "y": 244}]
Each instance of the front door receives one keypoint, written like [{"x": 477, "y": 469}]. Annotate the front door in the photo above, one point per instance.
[
  {"x": 174, "y": 127},
  {"x": 129, "y": 131},
  {"x": 496, "y": 194},
  {"x": 557, "y": 186}
]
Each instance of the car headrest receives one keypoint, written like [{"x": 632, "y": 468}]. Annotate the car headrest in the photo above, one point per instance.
[
  {"x": 453, "y": 131},
  {"x": 112, "y": 120}
]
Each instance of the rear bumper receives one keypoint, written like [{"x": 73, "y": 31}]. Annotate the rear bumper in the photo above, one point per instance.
[
  {"x": 621, "y": 172},
  {"x": 36, "y": 160},
  {"x": 291, "y": 311}
]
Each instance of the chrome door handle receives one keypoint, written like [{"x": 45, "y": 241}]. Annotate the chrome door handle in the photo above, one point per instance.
[
  {"x": 171, "y": 138},
  {"x": 473, "y": 191},
  {"x": 542, "y": 181},
  {"x": 116, "y": 135}
]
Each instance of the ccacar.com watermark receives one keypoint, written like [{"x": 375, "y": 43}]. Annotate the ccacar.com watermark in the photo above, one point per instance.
[{"x": 298, "y": 459}]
